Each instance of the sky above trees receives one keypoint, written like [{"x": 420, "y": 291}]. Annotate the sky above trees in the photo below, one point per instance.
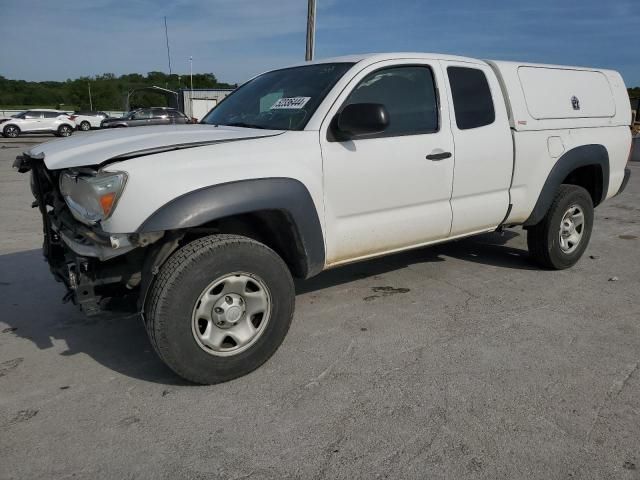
[{"x": 236, "y": 39}]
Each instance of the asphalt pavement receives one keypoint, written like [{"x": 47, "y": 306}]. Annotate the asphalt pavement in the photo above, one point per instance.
[{"x": 457, "y": 361}]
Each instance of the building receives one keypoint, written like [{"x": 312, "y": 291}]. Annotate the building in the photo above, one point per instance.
[{"x": 196, "y": 103}]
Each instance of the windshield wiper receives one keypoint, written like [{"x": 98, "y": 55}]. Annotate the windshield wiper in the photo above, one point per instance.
[{"x": 243, "y": 125}]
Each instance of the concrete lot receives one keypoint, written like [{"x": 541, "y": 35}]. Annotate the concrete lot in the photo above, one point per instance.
[{"x": 459, "y": 361}]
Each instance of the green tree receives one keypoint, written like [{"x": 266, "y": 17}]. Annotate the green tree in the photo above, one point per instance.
[{"x": 108, "y": 91}]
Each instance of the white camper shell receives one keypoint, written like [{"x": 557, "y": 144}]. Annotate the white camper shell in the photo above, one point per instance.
[{"x": 547, "y": 97}]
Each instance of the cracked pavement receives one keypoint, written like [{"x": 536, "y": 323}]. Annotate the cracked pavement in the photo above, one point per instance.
[{"x": 456, "y": 361}]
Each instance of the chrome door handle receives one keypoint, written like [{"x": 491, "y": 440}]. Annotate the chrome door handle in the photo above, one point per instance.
[{"x": 439, "y": 156}]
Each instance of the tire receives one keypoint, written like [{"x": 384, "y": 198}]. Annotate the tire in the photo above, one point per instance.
[
  {"x": 552, "y": 242},
  {"x": 11, "y": 131},
  {"x": 85, "y": 126},
  {"x": 176, "y": 297},
  {"x": 64, "y": 130}
]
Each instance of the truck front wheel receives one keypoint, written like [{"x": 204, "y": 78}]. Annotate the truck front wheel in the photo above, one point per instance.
[
  {"x": 219, "y": 308},
  {"x": 562, "y": 236}
]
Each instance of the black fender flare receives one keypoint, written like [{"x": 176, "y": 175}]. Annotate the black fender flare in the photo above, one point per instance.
[
  {"x": 582, "y": 156},
  {"x": 286, "y": 195}
]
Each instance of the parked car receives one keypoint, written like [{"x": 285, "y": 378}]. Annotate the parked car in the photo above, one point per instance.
[
  {"x": 38, "y": 121},
  {"x": 147, "y": 116},
  {"x": 311, "y": 167},
  {"x": 86, "y": 120}
]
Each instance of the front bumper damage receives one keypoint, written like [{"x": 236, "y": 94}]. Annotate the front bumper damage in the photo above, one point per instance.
[{"x": 95, "y": 266}]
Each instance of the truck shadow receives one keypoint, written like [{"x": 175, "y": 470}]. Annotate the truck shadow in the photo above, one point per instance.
[
  {"x": 487, "y": 249},
  {"x": 31, "y": 306}
]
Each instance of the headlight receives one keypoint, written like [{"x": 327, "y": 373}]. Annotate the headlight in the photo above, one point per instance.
[{"x": 92, "y": 198}]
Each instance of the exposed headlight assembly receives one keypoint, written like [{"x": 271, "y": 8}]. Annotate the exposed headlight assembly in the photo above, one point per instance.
[{"x": 92, "y": 197}]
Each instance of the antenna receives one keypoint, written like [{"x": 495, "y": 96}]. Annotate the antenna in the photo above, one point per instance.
[{"x": 166, "y": 34}]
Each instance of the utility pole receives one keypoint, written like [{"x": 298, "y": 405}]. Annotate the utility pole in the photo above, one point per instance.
[
  {"x": 191, "y": 70},
  {"x": 166, "y": 34},
  {"x": 90, "y": 102},
  {"x": 311, "y": 30}
]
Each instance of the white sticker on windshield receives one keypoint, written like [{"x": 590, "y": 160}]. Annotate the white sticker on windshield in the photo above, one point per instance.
[{"x": 291, "y": 103}]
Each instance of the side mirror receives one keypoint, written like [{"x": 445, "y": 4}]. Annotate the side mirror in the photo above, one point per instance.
[{"x": 361, "y": 119}]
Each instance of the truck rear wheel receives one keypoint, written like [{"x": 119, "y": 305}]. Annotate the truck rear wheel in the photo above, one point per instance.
[
  {"x": 219, "y": 308},
  {"x": 562, "y": 236}
]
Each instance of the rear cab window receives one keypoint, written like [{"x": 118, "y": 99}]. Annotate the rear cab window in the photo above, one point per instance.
[{"x": 472, "y": 101}]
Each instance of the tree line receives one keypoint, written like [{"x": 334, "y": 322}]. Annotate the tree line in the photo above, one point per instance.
[{"x": 108, "y": 91}]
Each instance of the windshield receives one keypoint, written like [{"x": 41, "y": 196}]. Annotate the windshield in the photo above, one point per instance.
[
  {"x": 279, "y": 100},
  {"x": 19, "y": 115}
]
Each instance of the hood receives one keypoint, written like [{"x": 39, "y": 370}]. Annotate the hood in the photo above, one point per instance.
[{"x": 98, "y": 147}]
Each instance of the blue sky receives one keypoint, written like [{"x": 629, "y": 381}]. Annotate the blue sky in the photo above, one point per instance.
[{"x": 235, "y": 39}]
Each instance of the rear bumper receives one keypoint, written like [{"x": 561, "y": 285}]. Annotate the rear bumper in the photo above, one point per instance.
[{"x": 625, "y": 181}]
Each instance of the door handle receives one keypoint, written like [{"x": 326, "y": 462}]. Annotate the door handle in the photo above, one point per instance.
[{"x": 439, "y": 156}]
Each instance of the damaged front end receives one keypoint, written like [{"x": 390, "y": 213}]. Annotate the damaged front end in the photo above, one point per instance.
[{"x": 94, "y": 265}]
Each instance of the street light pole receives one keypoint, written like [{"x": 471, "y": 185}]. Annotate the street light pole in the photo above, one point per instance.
[
  {"x": 90, "y": 102},
  {"x": 311, "y": 30}
]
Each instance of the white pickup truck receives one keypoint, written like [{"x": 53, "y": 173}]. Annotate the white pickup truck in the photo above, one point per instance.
[{"x": 307, "y": 168}]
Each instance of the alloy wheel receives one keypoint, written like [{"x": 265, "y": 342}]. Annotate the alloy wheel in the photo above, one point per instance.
[{"x": 11, "y": 131}]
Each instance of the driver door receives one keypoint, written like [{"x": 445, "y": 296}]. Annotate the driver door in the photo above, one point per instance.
[
  {"x": 32, "y": 121},
  {"x": 390, "y": 191}
]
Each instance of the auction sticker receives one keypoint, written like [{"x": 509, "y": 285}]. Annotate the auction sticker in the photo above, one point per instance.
[{"x": 290, "y": 103}]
